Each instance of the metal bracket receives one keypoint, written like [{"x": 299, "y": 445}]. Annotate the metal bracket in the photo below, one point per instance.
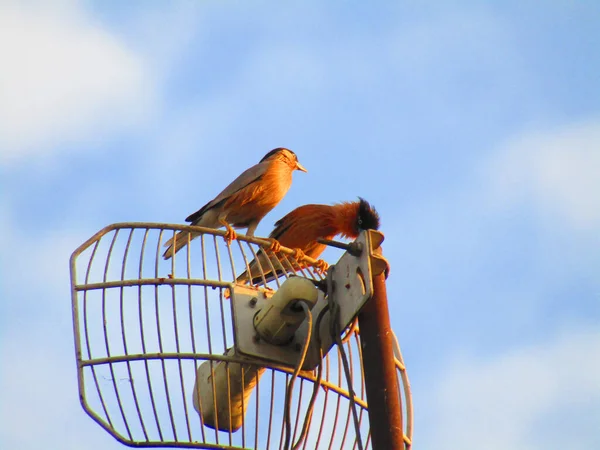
[
  {"x": 245, "y": 303},
  {"x": 353, "y": 280}
]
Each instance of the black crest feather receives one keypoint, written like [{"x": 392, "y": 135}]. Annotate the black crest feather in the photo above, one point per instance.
[{"x": 368, "y": 218}]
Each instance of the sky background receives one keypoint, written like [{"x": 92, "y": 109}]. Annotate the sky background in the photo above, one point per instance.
[{"x": 473, "y": 127}]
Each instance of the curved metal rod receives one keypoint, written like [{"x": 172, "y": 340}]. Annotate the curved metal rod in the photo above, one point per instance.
[{"x": 264, "y": 243}]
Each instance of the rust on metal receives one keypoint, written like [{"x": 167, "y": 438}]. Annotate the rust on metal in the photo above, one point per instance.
[{"x": 379, "y": 366}]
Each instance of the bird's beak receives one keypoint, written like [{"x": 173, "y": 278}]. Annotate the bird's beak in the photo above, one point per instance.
[{"x": 300, "y": 167}]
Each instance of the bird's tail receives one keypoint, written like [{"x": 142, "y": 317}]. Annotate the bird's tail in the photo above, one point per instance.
[
  {"x": 261, "y": 272},
  {"x": 258, "y": 274},
  {"x": 177, "y": 242},
  {"x": 255, "y": 269},
  {"x": 255, "y": 277}
]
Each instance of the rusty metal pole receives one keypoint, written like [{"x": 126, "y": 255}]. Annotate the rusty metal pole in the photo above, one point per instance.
[{"x": 381, "y": 382}]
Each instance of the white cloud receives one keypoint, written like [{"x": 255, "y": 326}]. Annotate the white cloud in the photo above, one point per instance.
[
  {"x": 64, "y": 78},
  {"x": 509, "y": 401},
  {"x": 557, "y": 170}
]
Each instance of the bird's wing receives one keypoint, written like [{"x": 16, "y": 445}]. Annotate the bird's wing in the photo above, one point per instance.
[
  {"x": 305, "y": 224},
  {"x": 299, "y": 228},
  {"x": 249, "y": 176}
]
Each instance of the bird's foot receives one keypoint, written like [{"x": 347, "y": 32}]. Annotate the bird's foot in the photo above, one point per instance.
[
  {"x": 299, "y": 255},
  {"x": 275, "y": 245},
  {"x": 230, "y": 236},
  {"x": 321, "y": 266}
]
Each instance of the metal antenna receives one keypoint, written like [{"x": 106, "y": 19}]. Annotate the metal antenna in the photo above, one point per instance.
[{"x": 169, "y": 354}]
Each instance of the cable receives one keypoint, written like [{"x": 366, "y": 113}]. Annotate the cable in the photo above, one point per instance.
[
  {"x": 288, "y": 394},
  {"x": 316, "y": 383},
  {"x": 335, "y": 334},
  {"x": 334, "y": 310},
  {"x": 350, "y": 330}
]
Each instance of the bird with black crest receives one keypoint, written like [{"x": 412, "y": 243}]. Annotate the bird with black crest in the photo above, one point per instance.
[{"x": 300, "y": 230}]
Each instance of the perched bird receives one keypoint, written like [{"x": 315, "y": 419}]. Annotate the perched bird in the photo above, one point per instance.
[
  {"x": 246, "y": 200},
  {"x": 301, "y": 228}
]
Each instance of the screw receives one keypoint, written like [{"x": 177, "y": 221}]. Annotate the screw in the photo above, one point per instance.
[
  {"x": 252, "y": 302},
  {"x": 256, "y": 338}
]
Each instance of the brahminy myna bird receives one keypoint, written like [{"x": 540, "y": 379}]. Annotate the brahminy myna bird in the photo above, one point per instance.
[
  {"x": 246, "y": 200},
  {"x": 300, "y": 229}
]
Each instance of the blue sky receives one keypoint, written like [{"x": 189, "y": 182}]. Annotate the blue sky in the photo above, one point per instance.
[{"x": 473, "y": 127}]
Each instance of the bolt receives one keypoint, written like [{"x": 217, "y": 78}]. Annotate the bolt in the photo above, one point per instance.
[
  {"x": 252, "y": 302},
  {"x": 256, "y": 338},
  {"x": 355, "y": 248}
]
